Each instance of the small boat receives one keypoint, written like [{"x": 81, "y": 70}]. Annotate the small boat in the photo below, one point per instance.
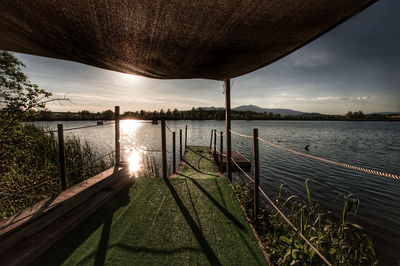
[
  {"x": 154, "y": 122},
  {"x": 100, "y": 123}
]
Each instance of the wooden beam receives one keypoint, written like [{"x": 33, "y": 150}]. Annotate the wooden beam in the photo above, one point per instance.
[
  {"x": 163, "y": 149},
  {"x": 215, "y": 142},
  {"x": 228, "y": 127},
  {"x": 185, "y": 137},
  {"x": 211, "y": 140},
  {"x": 256, "y": 173},
  {"x": 117, "y": 139},
  {"x": 180, "y": 144},
  {"x": 173, "y": 153},
  {"x": 61, "y": 155},
  {"x": 221, "y": 150}
]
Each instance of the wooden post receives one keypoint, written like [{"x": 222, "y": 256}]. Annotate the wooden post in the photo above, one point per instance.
[
  {"x": 215, "y": 142},
  {"x": 211, "y": 140},
  {"x": 256, "y": 173},
  {"x": 180, "y": 144},
  {"x": 228, "y": 128},
  {"x": 61, "y": 152},
  {"x": 185, "y": 136},
  {"x": 221, "y": 151},
  {"x": 173, "y": 153},
  {"x": 117, "y": 139},
  {"x": 164, "y": 149}
]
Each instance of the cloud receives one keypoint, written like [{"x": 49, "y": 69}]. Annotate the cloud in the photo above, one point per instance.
[
  {"x": 361, "y": 98},
  {"x": 309, "y": 59},
  {"x": 333, "y": 98}
]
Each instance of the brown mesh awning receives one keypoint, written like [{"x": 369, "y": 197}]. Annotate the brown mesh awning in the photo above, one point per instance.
[{"x": 214, "y": 39}]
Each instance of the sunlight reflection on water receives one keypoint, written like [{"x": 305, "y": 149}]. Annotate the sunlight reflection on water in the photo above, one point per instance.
[
  {"x": 134, "y": 162},
  {"x": 129, "y": 131}
]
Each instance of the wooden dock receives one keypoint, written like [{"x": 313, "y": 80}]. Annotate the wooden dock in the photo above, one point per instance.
[
  {"x": 242, "y": 161},
  {"x": 191, "y": 218}
]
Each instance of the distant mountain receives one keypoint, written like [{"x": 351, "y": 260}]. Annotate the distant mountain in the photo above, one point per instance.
[
  {"x": 254, "y": 108},
  {"x": 384, "y": 113},
  {"x": 257, "y": 109}
]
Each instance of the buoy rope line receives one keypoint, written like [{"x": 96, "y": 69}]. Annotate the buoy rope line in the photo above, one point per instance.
[
  {"x": 241, "y": 135},
  {"x": 243, "y": 172},
  {"x": 345, "y": 165}
]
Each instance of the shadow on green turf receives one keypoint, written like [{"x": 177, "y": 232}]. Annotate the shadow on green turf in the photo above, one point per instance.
[
  {"x": 198, "y": 170},
  {"x": 201, "y": 155},
  {"x": 57, "y": 254},
  {"x": 207, "y": 250},
  {"x": 216, "y": 203}
]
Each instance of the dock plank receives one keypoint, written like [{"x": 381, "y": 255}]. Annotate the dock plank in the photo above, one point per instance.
[{"x": 240, "y": 159}]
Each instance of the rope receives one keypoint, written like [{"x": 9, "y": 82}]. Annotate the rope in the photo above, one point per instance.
[
  {"x": 224, "y": 155},
  {"x": 23, "y": 197},
  {"x": 294, "y": 227},
  {"x": 241, "y": 135},
  {"x": 284, "y": 217},
  {"x": 90, "y": 164},
  {"x": 35, "y": 186},
  {"x": 168, "y": 127},
  {"x": 74, "y": 128},
  {"x": 361, "y": 169},
  {"x": 152, "y": 150},
  {"x": 242, "y": 170},
  {"x": 143, "y": 150}
]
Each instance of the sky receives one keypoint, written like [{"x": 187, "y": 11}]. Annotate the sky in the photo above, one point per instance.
[{"x": 355, "y": 66}]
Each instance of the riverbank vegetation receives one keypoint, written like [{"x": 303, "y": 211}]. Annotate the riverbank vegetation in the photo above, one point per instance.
[
  {"x": 202, "y": 114},
  {"x": 340, "y": 239}
]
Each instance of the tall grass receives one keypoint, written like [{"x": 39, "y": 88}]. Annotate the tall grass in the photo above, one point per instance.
[
  {"x": 339, "y": 239},
  {"x": 31, "y": 170}
]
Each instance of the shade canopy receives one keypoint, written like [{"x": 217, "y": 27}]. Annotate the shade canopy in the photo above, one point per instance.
[{"x": 168, "y": 39}]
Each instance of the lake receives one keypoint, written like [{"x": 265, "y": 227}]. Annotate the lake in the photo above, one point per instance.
[{"x": 373, "y": 145}]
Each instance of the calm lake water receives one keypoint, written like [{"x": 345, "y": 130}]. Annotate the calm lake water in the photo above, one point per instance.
[{"x": 374, "y": 145}]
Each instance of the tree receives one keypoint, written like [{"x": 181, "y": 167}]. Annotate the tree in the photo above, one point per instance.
[
  {"x": 349, "y": 116},
  {"x": 168, "y": 115},
  {"x": 108, "y": 115},
  {"x": 19, "y": 100}
]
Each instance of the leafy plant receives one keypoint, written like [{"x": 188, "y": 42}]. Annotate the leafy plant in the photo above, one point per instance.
[{"x": 339, "y": 240}]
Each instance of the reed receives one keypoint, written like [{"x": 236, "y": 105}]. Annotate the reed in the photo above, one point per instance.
[
  {"x": 339, "y": 239},
  {"x": 29, "y": 173}
]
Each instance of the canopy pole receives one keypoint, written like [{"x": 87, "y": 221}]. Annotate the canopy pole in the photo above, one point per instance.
[
  {"x": 227, "y": 84},
  {"x": 163, "y": 150},
  {"x": 117, "y": 138}
]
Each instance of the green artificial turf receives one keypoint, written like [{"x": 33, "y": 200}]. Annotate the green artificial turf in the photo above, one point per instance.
[
  {"x": 189, "y": 220},
  {"x": 198, "y": 163}
]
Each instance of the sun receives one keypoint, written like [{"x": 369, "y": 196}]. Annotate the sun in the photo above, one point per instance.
[{"x": 130, "y": 77}]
